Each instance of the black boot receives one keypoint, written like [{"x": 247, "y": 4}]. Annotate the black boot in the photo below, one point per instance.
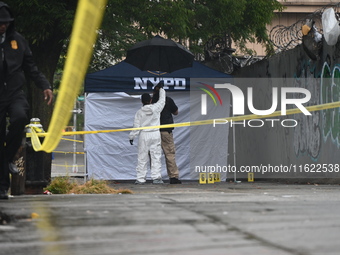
[
  {"x": 175, "y": 181},
  {"x": 3, "y": 194}
]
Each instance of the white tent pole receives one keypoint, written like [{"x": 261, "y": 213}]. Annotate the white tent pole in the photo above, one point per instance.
[
  {"x": 75, "y": 165},
  {"x": 84, "y": 158},
  {"x": 234, "y": 152}
]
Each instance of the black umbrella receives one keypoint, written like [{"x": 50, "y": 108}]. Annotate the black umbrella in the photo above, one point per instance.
[{"x": 159, "y": 54}]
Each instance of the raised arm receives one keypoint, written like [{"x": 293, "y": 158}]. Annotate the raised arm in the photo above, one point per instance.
[{"x": 158, "y": 107}]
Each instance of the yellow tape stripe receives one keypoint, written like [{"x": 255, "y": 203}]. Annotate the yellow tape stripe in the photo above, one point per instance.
[
  {"x": 87, "y": 20},
  {"x": 66, "y": 139},
  {"x": 211, "y": 121}
]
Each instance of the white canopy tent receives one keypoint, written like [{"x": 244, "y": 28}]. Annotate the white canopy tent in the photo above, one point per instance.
[{"x": 107, "y": 107}]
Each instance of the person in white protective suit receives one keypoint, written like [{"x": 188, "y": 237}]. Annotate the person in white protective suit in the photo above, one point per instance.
[{"x": 149, "y": 139}]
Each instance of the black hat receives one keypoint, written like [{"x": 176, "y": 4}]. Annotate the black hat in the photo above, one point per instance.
[{"x": 5, "y": 16}]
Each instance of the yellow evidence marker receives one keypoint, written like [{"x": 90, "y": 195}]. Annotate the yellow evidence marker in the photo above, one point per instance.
[
  {"x": 203, "y": 178},
  {"x": 250, "y": 177},
  {"x": 210, "y": 178}
]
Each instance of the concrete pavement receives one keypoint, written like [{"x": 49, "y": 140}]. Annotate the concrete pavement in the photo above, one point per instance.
[{"x": 220, "y": 218}]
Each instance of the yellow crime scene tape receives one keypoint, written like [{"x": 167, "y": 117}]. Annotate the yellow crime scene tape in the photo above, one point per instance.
[
  {"x": 72, "y": 140},
  {"x": 87, "y": 20},
  {"x": 207, "y": 122}
]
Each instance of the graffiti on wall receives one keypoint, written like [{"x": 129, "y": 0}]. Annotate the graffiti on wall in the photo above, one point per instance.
[
  {"x": 330, "y": 92},
  {"x": 307, "y": 135},
  {"x": 325, "y": 123}
]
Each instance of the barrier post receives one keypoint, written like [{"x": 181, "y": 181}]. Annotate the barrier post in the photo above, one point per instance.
[{"x": 35, "y": 162}]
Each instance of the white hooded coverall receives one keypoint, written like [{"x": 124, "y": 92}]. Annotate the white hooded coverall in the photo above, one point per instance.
[{"x": 149, "y": 139}]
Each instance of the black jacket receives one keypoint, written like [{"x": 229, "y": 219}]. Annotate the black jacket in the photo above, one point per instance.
[{"x": 18, "y": 60}]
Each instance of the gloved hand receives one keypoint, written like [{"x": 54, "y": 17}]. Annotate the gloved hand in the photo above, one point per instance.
[{"x": 131, "y": 142}]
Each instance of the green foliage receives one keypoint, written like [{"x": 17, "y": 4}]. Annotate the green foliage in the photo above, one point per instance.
[
  {"x": 40, "y": 20},
  {"x": 63, "y": 185},
  {"x": 193, "y": 21},
  {"x": 93, "y": 187},
  {"x": 60, "y": 185},
  {"x": 48, "y": 23}
]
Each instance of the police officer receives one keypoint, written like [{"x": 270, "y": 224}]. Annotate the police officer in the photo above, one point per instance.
[
  {"x": 167, "y": 139},
  {"x": 15, "y": 59}
]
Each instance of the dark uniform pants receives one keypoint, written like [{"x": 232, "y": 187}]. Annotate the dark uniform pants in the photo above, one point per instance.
[{"x": 17, "y": 110}]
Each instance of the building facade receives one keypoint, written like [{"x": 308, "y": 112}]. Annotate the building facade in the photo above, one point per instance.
[{"x": 286, "y": 26}]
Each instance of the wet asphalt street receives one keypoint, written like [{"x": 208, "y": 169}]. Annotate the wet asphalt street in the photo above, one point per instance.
[{"x": 220, "y": 218}]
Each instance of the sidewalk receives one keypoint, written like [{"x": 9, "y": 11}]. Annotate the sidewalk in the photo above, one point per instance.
[{"x": 220, "y": 218}]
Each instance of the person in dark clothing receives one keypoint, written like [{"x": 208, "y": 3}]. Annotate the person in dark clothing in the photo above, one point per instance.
[
  {"x": 167, "y": 140},
  {"x": 15, "y": 60}
]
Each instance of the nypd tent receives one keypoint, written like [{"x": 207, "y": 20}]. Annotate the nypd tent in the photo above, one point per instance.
[{"x": 112, "y": 97}]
